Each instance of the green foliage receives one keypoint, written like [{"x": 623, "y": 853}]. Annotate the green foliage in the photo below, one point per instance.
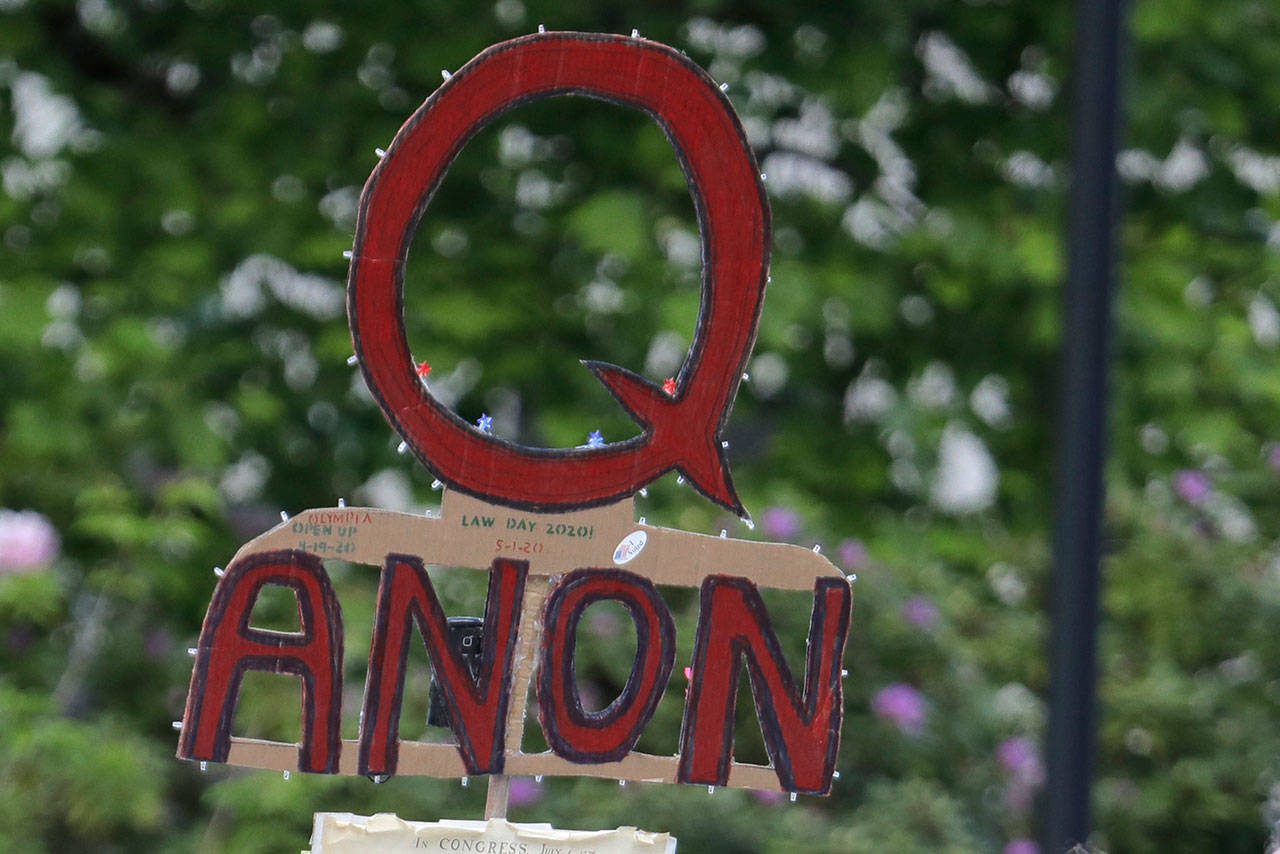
[
  {"x": 66, "y": 780},
  {"x": 180, "y": 184}
]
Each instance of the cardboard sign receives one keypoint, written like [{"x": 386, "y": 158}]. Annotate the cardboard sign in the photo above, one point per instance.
[
  {"x": 555, "y": 529},
  {"x": 344, "y": 833}
]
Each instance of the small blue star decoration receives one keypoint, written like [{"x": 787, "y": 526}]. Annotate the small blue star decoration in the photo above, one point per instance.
[
  {"x": 595, "y": 440},
  {"x": 485, "y": 423}
]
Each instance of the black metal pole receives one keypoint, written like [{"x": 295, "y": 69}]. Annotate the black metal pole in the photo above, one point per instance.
[{"x": 1093, "y": 207}]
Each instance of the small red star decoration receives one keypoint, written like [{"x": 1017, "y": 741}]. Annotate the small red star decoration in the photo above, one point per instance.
[
  {"x": 669, "y": 387},
  {"x": 423, "y": 369}
]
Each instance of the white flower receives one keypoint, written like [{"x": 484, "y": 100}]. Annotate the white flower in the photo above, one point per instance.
[
  {"x": 1007, "y": 583},
  {"x": 792, "y": 174},
  {"x": 1016, "y": 704},
  {"x": 339, "y": 207},
  {"x": 322, "y": 36},
  {"x": 868, "y": 398},
  {"x": 989, "y": 400},
  {"x": 243, "y": 297},
  {"x": 1032, "y": 89},
  {"x": 389, "y": 489},
  {"x": 1264, "y": 322},
  {"x": 935, "y": 388},
  {"x": 243, "y": 480},
  {"x": 1185, "y": 167},
  {"x": 949, "y": 72},
  {"x": 967, "y": 478},
  {"x": 44, "y": 122},
  {"x": 666, "y": 354},
  {"x": 813, "y": 133},
  {"x": 1026, "y": 170},
  {"x": 1232, "y": 517},
  {"x": 738, "y": 42},
  {"x": 769, "y": 374},
  {"x": 1258, "y": 172},
  {"x": 681, "y": 246}
]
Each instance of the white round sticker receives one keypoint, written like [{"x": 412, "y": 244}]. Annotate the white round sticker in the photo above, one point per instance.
[{"x": 632, "y": 544}]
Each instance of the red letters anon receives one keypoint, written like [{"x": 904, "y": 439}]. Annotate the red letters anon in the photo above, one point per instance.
[
  {"x": 229, "y": 646},
  {"x": 611, "y": 733},
  {"x": 801, "y": 733},
  {"x": 801, "y": 727},
  {"x": 477, "y": 708}
]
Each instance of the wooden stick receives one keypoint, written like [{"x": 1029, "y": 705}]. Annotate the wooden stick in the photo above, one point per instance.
[{"x": 495, "y": 804}]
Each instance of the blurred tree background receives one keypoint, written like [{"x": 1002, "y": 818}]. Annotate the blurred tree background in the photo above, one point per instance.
[{"x": 180, "y": 182}]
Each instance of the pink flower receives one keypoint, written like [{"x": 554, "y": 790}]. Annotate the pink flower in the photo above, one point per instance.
[
  {"x": 524, "y": 792},
  {"x": 852, "y": 553},
  {"x": 27, "y": 541},
  {"x": 901, "y": 705},
  {"x": 780, "y": 523},
  {"x": 1021, "y": 846},
  {"x": 768, "y": 797},
  {"x": 1021, "y": 758},
  {"x": 920, "y": 612},
  {"x": 1192, "y": 486},
  {"x": 1273, "y": 456}
]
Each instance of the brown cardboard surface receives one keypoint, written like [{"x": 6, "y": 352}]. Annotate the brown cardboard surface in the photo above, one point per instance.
[
  {"x": 471, "y": 533},
  {"x": 441, "y": 760},
  {"x": 526, "y": 660}
]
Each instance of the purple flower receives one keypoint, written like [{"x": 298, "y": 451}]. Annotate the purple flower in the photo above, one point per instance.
[
  {"x": 768, "y": 797},
  {"x": 852, "y": 553},
  {"x": 20, "y": 639},
  {"x": 1021, "y": 846},
  {"x": 902, "y": 705},
  {"x": 1192, "y": 486},
  {"x": 780, "y": 523},
  {"x": 602, "y": 623},
  {"x": 589, "y": 696},
  {"x": 920, "y": 612},
  {"x": 1273, "y": 456},
  {"x": 1021, "y": 757},
  {"x": 156, "y": 644},
  {"x": 524, "y": 792},
  {"x": 1019, "y": 797},
  {"x": 27, "y": 541}
]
